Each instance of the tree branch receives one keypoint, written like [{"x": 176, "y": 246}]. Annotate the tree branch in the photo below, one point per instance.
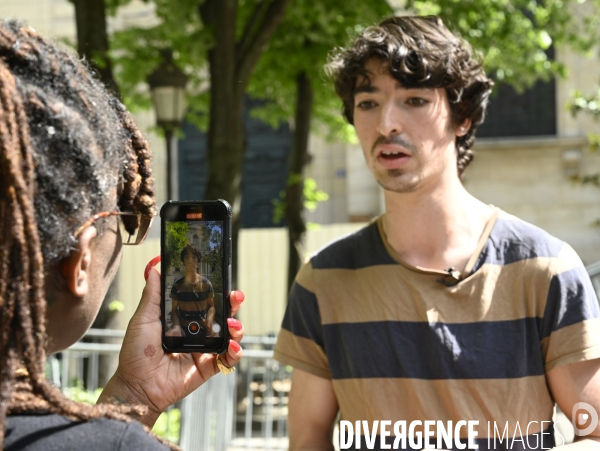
[
  {"x": 92, "y": 39},
  {"x": 207, "y": 13},
  {"x": 246, "y": 61},
  {"x": 257, "y": 14}
]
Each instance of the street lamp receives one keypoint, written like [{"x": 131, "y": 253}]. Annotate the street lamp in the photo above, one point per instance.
[{"x": 167, "y": 86}]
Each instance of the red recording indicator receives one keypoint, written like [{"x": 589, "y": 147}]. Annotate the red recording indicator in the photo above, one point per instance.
[{"x": 193, "y": 215}]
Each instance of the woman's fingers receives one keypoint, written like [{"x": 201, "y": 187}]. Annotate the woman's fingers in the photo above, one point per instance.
[
  {"x": 149, "y": 306},
  {"x": 235, "y": 301},
  {"x": 236, "y": 329},
  {"x": 234, "y": 350},
  {"x": 233, "y": 355},
  {"x": 151, "y": 264}
]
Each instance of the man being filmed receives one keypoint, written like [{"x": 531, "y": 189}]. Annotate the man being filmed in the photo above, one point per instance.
[
  {"x": 444, "y": 308},
  {"x": 193, "y": 308}
]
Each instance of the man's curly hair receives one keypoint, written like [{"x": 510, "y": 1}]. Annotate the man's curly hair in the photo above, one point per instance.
[
  {"x": 420, "y": 52},
  {"x": 190, "y": 249}
]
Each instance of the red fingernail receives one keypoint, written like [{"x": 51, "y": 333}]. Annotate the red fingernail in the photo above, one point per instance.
[
  {"x": 150, "y": 265},
  {"x": 234, "y": 323},
  {"x": 240, "y": 296},
  {"x": 235, "y": 345}
]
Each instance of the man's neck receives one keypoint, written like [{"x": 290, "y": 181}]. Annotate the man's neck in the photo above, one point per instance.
[
  {"x": 192, "y": 278},
  {"x": 437, "y": 228}
]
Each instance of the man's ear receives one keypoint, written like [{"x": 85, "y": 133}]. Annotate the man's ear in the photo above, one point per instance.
[
  {"x": 463, "y": 128},
  {"x": 75, "y": 268}
]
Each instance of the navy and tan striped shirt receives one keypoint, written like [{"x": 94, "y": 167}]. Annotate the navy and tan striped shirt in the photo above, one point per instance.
[{"x": 399, "y": 345}]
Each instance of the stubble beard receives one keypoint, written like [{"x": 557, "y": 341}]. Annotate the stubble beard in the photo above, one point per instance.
[{"x": 397, "y": 181}]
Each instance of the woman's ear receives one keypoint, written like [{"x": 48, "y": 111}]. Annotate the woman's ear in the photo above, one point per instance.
[{"x": 75, "y": 267}]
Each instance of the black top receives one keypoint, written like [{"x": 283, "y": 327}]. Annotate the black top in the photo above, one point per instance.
[{"x": 50, "y": 432}]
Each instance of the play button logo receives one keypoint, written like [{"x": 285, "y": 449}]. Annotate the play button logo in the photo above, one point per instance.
[{"x": 194, "y": 327}]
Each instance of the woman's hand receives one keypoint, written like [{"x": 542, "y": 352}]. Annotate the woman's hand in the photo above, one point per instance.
[{"x": 147, "y": 375}]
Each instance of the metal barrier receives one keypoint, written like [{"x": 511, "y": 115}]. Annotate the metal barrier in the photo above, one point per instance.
[
  {"x": 264, "y": 385},
  {"x": 247, "y": 411}
]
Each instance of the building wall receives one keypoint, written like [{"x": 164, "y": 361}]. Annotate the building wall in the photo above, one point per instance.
[
  {"x": 527, "y": 178},
  {"x": 51, "y": 18},
  {"x": 328, "y": 168}
]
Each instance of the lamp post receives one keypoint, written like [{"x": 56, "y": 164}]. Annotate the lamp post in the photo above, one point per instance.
[{"x": 167, "y": 87}]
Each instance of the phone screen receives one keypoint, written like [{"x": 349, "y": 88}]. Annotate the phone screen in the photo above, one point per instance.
[{"x": 194, "y": 286}]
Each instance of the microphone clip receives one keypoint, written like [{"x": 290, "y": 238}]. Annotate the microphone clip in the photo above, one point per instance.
[{"x": 453, "y": 275}]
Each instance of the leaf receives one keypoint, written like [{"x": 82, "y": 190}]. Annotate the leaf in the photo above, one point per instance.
[
  {"x": 312, "y": 197},
  {"x": 116, "y": 306},
  {"x": 168, "y": 425}
]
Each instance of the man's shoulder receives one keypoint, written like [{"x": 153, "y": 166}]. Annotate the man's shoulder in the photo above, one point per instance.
[
  {"x": 353, "y": 251},
  {"x": 512, "y": 239}
]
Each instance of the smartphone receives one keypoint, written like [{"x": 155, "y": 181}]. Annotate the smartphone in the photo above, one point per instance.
[{"x": 196, "y": 275}]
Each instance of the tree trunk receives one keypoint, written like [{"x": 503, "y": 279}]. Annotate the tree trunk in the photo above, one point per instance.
[
  {"x": 226, "y": 135},
  {"x": 92, "y": 39},
  {"x": 295, "y": 187},
  {"x": 231, "y": 64}
]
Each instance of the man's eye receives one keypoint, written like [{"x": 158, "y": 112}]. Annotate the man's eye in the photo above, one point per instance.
[
  {"x": 417, "y": 101},
  {"x": 365, "y": 105}
]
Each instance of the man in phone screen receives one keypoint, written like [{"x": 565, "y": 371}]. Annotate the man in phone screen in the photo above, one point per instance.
[
  {"x": 444, "y": 308},
  {"x": 193, "y": 300}
]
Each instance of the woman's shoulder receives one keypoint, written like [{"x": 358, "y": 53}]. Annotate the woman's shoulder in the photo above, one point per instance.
[{"x": 42, "y": 431}]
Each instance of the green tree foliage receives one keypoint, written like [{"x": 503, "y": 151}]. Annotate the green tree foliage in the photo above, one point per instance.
[
  {"x": 311, "y": 193},
  {"x": 136, "y": 53},
  {"x": 587, "y": 104},
  {"x": 309, "y": 32},
  {"x": 175, "y": 241},
  {"x": 513, "y": 35}
]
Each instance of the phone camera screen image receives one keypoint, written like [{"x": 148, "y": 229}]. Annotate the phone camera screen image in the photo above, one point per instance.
[{"x": 195, "y": 280}]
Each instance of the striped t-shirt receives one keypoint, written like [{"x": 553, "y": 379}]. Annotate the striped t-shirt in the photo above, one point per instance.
[{"x": 399, "y": 344}]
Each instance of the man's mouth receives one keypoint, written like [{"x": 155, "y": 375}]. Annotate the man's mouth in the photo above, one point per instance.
[{"x": 392, "y": 155}]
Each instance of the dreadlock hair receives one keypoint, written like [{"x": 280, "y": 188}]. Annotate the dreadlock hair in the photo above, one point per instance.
[
  {"x": 419, "y": 52},
  {"x": 65, "y": 146}
]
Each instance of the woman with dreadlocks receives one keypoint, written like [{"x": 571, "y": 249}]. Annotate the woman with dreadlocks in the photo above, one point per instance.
[{"x": 72, "y": 165}]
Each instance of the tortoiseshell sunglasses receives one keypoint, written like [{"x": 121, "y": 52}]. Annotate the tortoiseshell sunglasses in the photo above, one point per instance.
[{"x": 133, "y": 227}]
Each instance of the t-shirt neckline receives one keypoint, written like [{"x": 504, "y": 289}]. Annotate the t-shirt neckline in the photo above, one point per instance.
[{"x": 487, "y": 230}]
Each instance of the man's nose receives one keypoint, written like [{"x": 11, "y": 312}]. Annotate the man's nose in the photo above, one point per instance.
[{"x": 390, "y": 122}]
